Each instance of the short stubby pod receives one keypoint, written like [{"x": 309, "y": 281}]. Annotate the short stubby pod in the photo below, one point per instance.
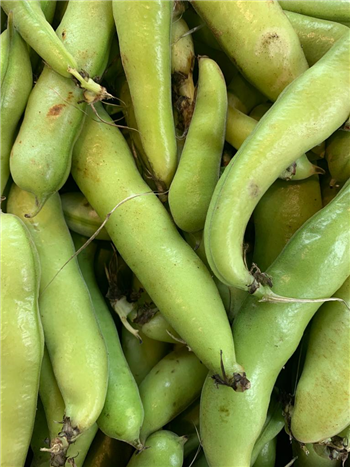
[{"x": 22, "y": 339}]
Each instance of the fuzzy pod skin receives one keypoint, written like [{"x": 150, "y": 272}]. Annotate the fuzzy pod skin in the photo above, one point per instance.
[
  {"x": 81, "y": 217},
  {"x": 54, "y": 409},
  {"x": 338, "y": 156},
  {"x": 22, "y": 339},
  {"x": 198, "y": 170},
  {"x": 259, "y": 39},
  {"x": 104, "y": 451},
  {"x": 334, "y": 10},
  {"x": 307, "y": 113},
  {"x": 142, "y": 357},
  {"x": 73, "y": 339},
  {"x": 164, "y": 449},
  {"x": 144, "y": 26},
  {"x": 311, "y": 458},
  {"x": 41, "y": 155},
  {"x": 316, "y": 36},
  {"x": 171, "y": 386},
  {"x": 177, "y": 281},
  {"x": 322, "y": 400},
  {"x": 122, "y": 414},
  {"x": 267, "y": 334},
  {"x": 16, "y": 84},
  {"x": 281, "y": 211}
]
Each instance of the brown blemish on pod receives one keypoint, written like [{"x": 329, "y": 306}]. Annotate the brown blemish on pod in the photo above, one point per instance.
[{"x": 55, "y": 110}]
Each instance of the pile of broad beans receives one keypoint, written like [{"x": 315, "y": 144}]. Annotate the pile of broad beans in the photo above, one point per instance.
[{"x": 175, "y": 253}]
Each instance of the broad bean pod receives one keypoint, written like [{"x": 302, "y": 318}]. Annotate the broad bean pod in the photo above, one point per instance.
[
  {"x": 174, "y": 277},
  {"x": 104, "y": 451},
  {"x": 336, "y": 10},
  {"x": 39, "y": 436},
  {"x": 73, "y": 339},
  {"x": 22, "y": 339},
  {"x": 338, "y": 156},
  {"x": 266, "y": 334},
  {"x": 308, "y": 457},
  {"x": 41, "y": 155},
  {"x": 307, "y": 113},
  {"x": 144, "y": 26},
  {"x": 267, "y": 455}
]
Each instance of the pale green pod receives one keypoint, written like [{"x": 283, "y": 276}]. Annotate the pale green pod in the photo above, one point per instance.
[
  {"x": 81, "y": 217},
  {"x": 245, "y": 95},
  {"x": 16, "y": 84},
  {"x": 41, "y": 155},
  {"x": 322, "y": 400},
  {"x": 260, "y": 110},
  {"x": 159, "y": 329},
  {"x": 171, "y": 386},
  {"x": 22, "y": 340},
  {"x": 144, "y": 26},
  {"x": 259, "y": 39},
  {"x": 338, "y": 156},
  {"x": 73, "y": 339},
  {"x": 336, "y": 10},
  {"x": 250, "y": 173},
  {"x": 308, "y": 457},
  {"x": 198, "y": 171},
  {"x": 164, "y": 448},
  {"x": 122, "y": 415}
]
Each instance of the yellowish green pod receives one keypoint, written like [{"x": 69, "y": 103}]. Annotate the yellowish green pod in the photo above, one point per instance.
[
  {"x": 338, "y": 156},
  {"x": 73, "y": 339},
  {"x": 308, "y": 457},
  {"x": 22, "y": 339},
  {"x": 81, "y": 217},
  {"x": 336, "y": 10},
  {"x": 267, "y": 455}
]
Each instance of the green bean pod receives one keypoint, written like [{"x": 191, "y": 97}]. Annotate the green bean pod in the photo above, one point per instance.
[
  {"x": 104, "y": 451},
  {"x": 198, "y": 172},
  {"x": 54, "y": 408},
  {"x": 267, "y": 455},
  {"x": 22, "y": 339},
  {"x": 81, "y": 217},
  {"x": 322, "y": 400},
  {"x": 335, "y": 10},
  {"x": 169, "y": 388},
  {"x": 144, "y": 26},
  {"x": 338, "y": 156},
  {"x": 16, "y": 84},
  {"x": 259, "y": 39},
  {"x": 177, "y": 281},
  {"x": 41, "y": 155},
  {"x": 122, "y": 415},
  {"x": 309, "y": 111},
  {"x": 316, "y": 36},
  {"x": 73, "y": 339},
  {"x": 279, "y": 214},
  {"x": 164, "y": 449},
  {"x": 40, "y": 438},
  {"x": 266, "y": 334},
  {"x": 308, "y": 457}
]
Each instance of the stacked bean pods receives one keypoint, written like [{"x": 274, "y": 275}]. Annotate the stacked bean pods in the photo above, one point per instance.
[{"x": 175, "y": 256}]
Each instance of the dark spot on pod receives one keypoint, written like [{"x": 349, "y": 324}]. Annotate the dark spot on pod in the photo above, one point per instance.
[{"x": 55, "y": 110}]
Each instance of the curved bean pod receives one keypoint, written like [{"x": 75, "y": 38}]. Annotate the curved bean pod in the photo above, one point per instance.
[
  {"x": 81, "y": 217},
  {"x": 41, "y": 155},
  {"x": 322, "y": 400},
  {"x": 259, "y": 39},
  {"x": 198, "y": 171},
  {"x": 122, "y": 415},
  {"x": 267, "y": 455},
  {"x": 336, "y": 10},
  {"x": 104, "y": 451},
  {"x": 73, "y": 339},
  {"x": 266, "y": 334},
  {"x": 22, "y": 339},
  {"x": 16, "y": 84},
  {"x": 174, "y": 277},
  {"x": 305, "y": 115},
  {"x": 338, "y": 156},
  {"x": 144, "y": 26}
]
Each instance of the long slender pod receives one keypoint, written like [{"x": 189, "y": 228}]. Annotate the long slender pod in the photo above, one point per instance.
[
  {"x": 22, "y": 340},
  {"x": 309, "y": 111},
  {"x": 266, "y": 334},
  {"x": 16, "y": 84},
  {"x": 141, "y": 26},
  {"x": 122, "y": 415},
  {"x": 41, "y": 155},
  {"x": 174, "y": 277},
  {"x": 336, "y": 10},
  {"x": 73, "y": 339}
]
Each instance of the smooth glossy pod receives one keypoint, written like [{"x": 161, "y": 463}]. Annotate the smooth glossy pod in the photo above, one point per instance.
[
  {"x": 322, "y": 399},
  {"x": 175, "y": 278},
  {"x": 259, "y": 39},
  {"x": 146, "y": 26},
  {"x": 198, "y": 171},
  {"x": 267, "y": 334},
  {"x": 336, "y": 10},
  {"x": 22, "y": 339},
  {"x": 309, "y": 111},
  {"x": 267, "y": 455},
  {"x": 73, "y": 339},
  {"x": 169, "y": 388}
]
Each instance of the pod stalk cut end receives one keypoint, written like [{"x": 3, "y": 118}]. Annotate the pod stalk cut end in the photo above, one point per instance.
[
  {"x": 238, "y": 381},
  {"x": 94, "y": 92}
]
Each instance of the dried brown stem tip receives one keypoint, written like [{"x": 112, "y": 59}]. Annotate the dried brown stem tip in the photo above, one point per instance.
[{"x": 238, "y": 381}]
